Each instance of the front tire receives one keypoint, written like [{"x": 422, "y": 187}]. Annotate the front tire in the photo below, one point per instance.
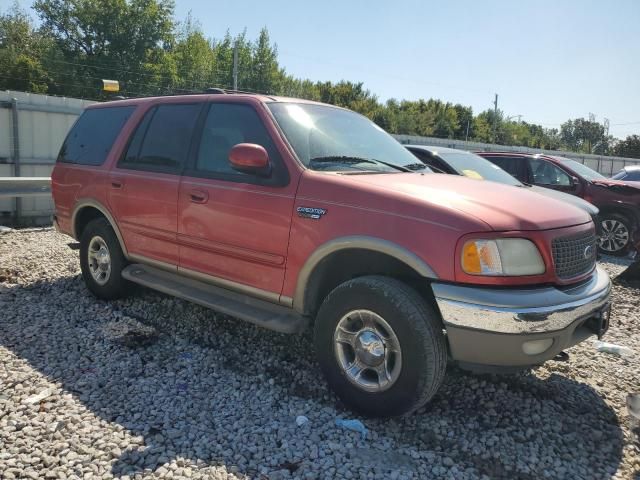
[
  {"x": 615, "y": 235},
  {"x": 380, "y": 346},
  {"x": 102, "y": 260}
]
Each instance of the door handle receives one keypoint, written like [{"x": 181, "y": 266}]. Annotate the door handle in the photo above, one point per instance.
[
  {"x": 198, "y": 196},
  {"x": 117, "y": 183}
]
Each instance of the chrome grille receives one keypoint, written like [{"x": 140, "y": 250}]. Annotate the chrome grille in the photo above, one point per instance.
[{"x": 575, "y": 255}]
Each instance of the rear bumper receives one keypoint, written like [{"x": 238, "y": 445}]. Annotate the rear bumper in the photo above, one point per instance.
[{"x": 508, "y": 327}]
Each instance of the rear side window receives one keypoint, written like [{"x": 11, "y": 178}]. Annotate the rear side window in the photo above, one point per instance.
[
  {"x": 91, "y": 137},
  {"x": 514, "y": 166},
  {"x": 162, "y": 140}
]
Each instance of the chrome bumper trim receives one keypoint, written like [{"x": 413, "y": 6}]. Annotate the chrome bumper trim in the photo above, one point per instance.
[{"x": 518, "y": 311}]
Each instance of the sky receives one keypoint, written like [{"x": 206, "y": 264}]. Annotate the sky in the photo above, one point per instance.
[{"x": 547, "y": 60}]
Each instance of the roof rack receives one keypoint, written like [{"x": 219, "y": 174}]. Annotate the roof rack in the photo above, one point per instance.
[{"x": 206, "y": 91}]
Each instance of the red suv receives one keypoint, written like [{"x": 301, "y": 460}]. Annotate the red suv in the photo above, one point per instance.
[
  {"x": 291, "y": 214},
  {"x": 618, "y": 202}
]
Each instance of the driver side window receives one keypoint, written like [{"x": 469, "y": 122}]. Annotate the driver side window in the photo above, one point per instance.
[{"x": 546, "y": 173}]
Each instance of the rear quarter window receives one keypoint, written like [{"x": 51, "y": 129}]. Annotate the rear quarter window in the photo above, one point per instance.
[{"x": 92, "y": 136}]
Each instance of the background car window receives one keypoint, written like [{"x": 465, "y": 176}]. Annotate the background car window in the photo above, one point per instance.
[
  {"x": 633, "y": 176},
  {"x": 546, "y": 173},
  {"x": 227, "y": 125},
  {"x": 620, "y": 175},
  {"x": 92, "y": 136},
  {"x": 514, "y": 166},
  {"x": 161, "y": 141},
  {"x": 474, "y": 166}
]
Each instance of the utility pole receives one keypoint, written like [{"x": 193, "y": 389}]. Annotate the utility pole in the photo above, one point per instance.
[
  {"x": 495, "y": 119},
  {"x": 235, "y": 65},
  {"x": 466, "y": 137}
]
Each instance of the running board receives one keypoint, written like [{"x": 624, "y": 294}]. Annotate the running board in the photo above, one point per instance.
[{"x": 259, "y": 312}]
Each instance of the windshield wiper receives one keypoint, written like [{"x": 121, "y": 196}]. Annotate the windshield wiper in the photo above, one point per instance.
[
  {"x": 352, "y": 160},
  {"x": 415, "y": 166}
]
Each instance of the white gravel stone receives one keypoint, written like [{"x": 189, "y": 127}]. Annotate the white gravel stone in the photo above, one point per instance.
[{"x": 154, "y": 387}]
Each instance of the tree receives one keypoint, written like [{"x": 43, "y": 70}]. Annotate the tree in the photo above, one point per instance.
[
  {"x": 21, "y": 51},
  {"x": 265, "y": 73},
  {"x": 81, "y": 42},
  {"x": 194, "y": 57},
  {"x": 582, "y": 135},
  {"x": 465, "y": 119},
  {"x": 629, "y": 147},
  {"x": 117, "y": 39}
]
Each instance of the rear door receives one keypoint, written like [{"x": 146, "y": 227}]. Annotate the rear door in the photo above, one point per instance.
[
  {"x": 515, "y": 166},
  {"x": 234, "y": 226},
  {"x": 143, "y": 187}
]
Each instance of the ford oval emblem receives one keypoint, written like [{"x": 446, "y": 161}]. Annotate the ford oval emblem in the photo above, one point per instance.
[{"x": 588, "y": 251}]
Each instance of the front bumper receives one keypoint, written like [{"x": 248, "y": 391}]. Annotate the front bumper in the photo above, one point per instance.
[{"x": 490, "y": 326}]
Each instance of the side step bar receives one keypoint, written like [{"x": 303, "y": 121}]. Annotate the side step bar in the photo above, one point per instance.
[{"x": 260, "y": 312}]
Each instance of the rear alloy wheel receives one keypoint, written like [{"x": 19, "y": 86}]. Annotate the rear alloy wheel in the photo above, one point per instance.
[
  {"x": 380, "y": 346},
  {"x": 102, "y": 260},
  {"x": 616, "y": 234}
]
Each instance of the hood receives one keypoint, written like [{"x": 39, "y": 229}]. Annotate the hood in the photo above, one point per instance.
[
  {"x": 609, "y": 182},
  {"x": 501, "y": 207},
  {"x": 631, "y": 189},
  {"x": 565, "y": 197}
]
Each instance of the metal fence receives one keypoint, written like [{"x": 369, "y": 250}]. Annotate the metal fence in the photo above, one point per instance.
[
  {"x": 601, "y": 163},
  {"x": 32, "y": 128}
]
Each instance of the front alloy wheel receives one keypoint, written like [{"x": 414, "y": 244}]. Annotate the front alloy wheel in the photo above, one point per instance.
[
  {"x": 367, "y": 350},
  {"x": 615, "y": 235},
  {"x": 380, "y": 345}
]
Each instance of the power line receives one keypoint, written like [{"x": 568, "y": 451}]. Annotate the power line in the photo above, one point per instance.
[
  {"x": 214, "y": 73},
  {"x": 359, "y": 68},
  {"x": 627, "y": 123}
]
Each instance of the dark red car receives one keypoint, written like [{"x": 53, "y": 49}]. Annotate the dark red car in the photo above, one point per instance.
[{"x": 619, "y": 202}]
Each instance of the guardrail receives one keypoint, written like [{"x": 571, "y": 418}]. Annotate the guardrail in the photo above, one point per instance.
[{"x": 24, "y": 186}]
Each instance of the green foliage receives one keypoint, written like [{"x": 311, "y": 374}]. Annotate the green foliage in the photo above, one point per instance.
[
  {"x": 629, "y": 147},
  {"x": 586, "y": 136},
  {"x": 21, "y": 51},
  {"x": 137, "y": 42}
]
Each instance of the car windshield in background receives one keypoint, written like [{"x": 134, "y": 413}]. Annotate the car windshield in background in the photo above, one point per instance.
[
  {"x": 332, "y": 139},
  {"x": 627, "y": 175},
  {"x": 474, "y": 166},
  {"x": 582, "y": 170}
]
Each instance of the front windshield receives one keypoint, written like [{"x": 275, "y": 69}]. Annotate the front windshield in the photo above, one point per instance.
[
  {"x": 620, "y": 175},
  {"x": 332, "y": 139},
  {"x": 474, "y": 166},
  {"x": 582, "y": 170}
]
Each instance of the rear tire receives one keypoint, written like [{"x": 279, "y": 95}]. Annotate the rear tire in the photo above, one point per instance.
[
  {"x": 616, "y": 233},
  {"x": 102, "y": 260},
  {"x": 380, "y": 346}
]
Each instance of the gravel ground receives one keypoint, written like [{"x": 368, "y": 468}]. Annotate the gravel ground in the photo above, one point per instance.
[{"x": 152, "y": 386}]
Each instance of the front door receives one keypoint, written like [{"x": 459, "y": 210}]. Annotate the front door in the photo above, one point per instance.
[
  {"x": 234, "y": 226},
  {"x": 143, "y": 187},
  {"x": 547, "y": 174}
]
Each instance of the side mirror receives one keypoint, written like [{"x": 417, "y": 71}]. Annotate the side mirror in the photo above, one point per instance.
[
  {"x": 575, "y": 182},
  {"x": 250, "y": 158}
]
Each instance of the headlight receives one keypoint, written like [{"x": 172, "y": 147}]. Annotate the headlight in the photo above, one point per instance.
[{"x": 502, "y": 257}]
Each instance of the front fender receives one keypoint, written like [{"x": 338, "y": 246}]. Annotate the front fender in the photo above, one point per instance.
[{"x": 360, "y": 242}]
